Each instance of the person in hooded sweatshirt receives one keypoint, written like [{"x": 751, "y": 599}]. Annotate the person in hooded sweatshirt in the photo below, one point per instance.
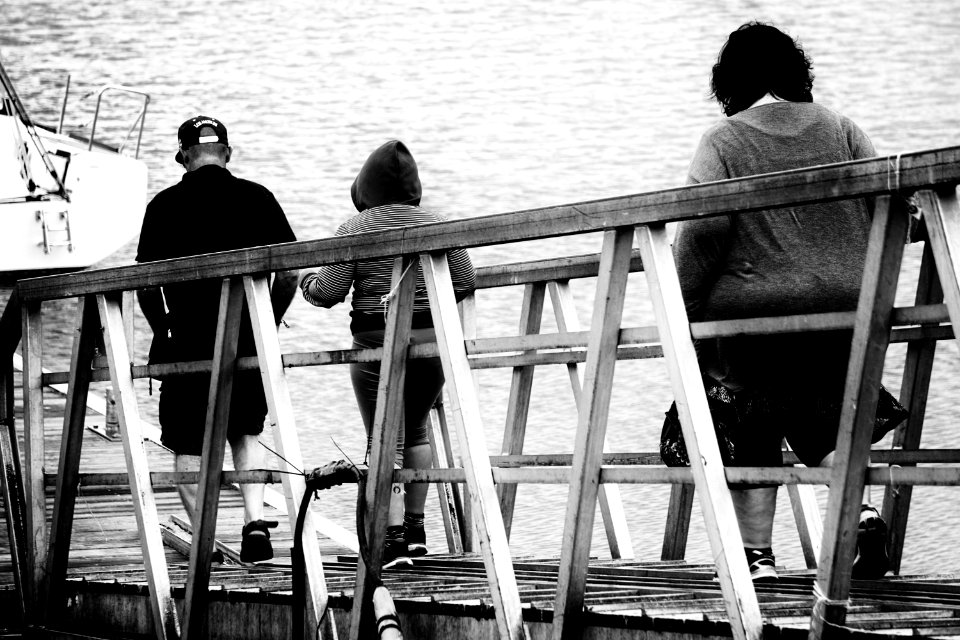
[{"x": 387, "y": 193}]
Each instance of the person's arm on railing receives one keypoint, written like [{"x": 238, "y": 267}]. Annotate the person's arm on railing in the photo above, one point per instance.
[
  {"x": 327, "y": 286},
  {"x": 282, "y": 292},
  {"x": 462, "y": 273}
]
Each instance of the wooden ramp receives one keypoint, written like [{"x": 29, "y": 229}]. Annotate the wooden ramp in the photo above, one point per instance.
[
  {"x": 105, "y": 535},
  {"x": 449, "y": 597},
  {"x": 502, "y": 596}
]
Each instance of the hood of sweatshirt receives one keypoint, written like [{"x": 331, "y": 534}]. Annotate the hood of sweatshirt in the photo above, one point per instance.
[{"x": 389, "y": 176}]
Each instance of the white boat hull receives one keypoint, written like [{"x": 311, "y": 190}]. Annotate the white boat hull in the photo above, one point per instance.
[{"x": 107, "y": 198}]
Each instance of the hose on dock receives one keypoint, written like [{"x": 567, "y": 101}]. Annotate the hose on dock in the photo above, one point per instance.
[{"x": 321, "y": 478}]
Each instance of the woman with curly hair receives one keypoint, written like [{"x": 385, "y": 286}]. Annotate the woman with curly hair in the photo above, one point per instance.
[{"x": 792, "y": 260}]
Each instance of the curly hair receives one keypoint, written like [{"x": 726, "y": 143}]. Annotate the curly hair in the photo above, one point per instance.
[{"x": 758, "y": 59}]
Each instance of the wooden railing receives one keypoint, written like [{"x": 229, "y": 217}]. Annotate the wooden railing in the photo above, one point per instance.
[{"x": 932, "y": 175}]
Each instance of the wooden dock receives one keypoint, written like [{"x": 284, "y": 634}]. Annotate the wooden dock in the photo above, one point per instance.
[
  {"x": 90, "y": 558},
  {"x": 442, "y": 596}
]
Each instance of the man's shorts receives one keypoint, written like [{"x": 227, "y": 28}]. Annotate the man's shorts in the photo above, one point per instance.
[{"x": 183, "y": 410}]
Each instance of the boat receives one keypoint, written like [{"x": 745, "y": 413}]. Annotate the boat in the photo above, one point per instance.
[{"x": 66, "y": 201}]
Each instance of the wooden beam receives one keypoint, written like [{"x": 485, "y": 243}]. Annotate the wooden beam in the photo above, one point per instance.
[
  {"x": 543, "y": 271},
  {"x": 86, "y": 334},
  {"x": 467, "y": 308},
  {"x": 162, "y": 605},
  {"x": 211, "y": 459},
  {"x": 739, "y": 597},
  {"x": 943, "y": 229},
  {"x": 518, "y": 401},
  {"x": 611, "y": 506},
  {"x": 11, "y": 474},
  {"x": 806, "y": 515},
  {"x": 788, "y": 188},
  {"x": 868, "y": 350},
  {"x": 915, "y": 384},
  {"x": 632, "y": 469},
  {"x": 37, "y": 541},
  {"x": 485, "y": 508},
  {"x": 286, "y": 440},
  {"x": 388, "y": 417},
  {"x": 556, "y": 349},
  {"x": 677, "y": 527},
  {"x": 450, "y": 460},
  {"x": 450, "y": 507},
  {"x": 11, "y": 486},
  {"x": 948, "y": 476},
  {"x": 591, "y": 431}
]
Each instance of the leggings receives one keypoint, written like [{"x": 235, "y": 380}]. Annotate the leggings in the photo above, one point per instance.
[{"x": 424, "y": 382}]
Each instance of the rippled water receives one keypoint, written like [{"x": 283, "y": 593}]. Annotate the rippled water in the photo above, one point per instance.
[{"x": 506, "y": 105}]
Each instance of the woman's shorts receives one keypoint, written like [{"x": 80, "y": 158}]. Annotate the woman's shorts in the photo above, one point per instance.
[{"x": 424, "y": 382}]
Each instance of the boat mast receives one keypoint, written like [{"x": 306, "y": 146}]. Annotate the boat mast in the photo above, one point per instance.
[{"x": 32, "y": 131}]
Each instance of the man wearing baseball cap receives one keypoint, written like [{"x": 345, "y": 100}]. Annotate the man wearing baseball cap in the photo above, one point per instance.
[{"x": 210, "y": 210}]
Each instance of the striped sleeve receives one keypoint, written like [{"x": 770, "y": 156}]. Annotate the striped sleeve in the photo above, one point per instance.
[
  {"x": 462, "y": 273},
  {"x": 330, "y": 284}
]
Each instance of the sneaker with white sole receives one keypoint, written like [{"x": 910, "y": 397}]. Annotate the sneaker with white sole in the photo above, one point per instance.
[
  {"x": 395, "y": 554},
  {"x": 763, "y": 564},
  {"x": 416, "y": 540},
  {"x": 872, "y": 560}
]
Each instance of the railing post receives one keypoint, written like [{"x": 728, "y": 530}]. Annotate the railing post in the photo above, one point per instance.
[
  {"x": 871, "y": 335},
  {"x": 162, "y": 606},
  {"x": 518, "y": 402},
  {"x": 11, "y": 475},
  {"x": 86, "y": 333},
  {"x": 591, "y": 432},
  {"x": 739, "y": 596},
  {"x": 34, "y": 490},
  {"x": 222, "y": 372},
  {"x": 468, "y": 320},
  {"x": 915, "y": 385},
  {"x": 943, "y": 230},
  {"x": 611, "y": 506},
  {"x": 281, "y": 415},
  {"x": 451, "y": 504},
  {"x": 11, "y": 480},
  {"x": 459, "y": 382},
  {"x": 387, "y": 418}
]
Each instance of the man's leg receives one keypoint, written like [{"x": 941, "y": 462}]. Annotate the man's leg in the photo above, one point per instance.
[
  {"x": 755, "y": 510},
  {"x": 255, "y": 545},
  {"x": 188, "y": 492},
  {"x": 249, "y": 455}
]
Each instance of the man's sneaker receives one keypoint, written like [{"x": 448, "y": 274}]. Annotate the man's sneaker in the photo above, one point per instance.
[
  {"x": 416, "y": 540},
  {"x": 255, "y": 545},
  {"x": 395, "y": 553},
  {"x": 871, "y": 561},
  {"x": 763, "y": 565}
]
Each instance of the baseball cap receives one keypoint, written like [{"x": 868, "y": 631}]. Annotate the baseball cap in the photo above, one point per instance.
[{"x": 199, "y": 130}]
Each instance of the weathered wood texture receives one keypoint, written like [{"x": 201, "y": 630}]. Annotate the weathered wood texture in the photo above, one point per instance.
[
  {"x": 388, "y": 417},
  {"x": 591, "y": 431},
  {"x": 868, "y": 351},
  {"x": 818, "y": 184},
  {"x": 447, "y": 597},
  {"x": 723, "y": 533}
]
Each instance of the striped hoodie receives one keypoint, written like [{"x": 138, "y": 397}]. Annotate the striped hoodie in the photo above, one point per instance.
[{"x": 387, "y": 194}]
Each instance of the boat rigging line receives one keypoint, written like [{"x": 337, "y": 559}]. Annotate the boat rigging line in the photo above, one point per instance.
[{"x": 32, "y": 131}]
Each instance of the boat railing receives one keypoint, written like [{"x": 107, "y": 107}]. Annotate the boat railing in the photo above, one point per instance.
[
  {"x": 138, "y": 121},
  {"x": 930, "y": 177}
]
